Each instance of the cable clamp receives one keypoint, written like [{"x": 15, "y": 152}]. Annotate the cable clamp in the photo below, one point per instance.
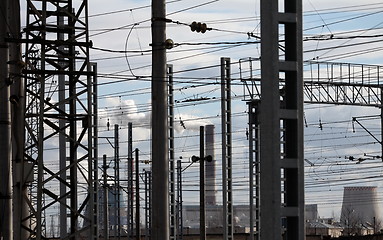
[{"x": 162, "y": 19}]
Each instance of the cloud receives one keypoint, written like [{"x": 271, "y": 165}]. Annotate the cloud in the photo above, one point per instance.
[{"x": 122, "y": 112}]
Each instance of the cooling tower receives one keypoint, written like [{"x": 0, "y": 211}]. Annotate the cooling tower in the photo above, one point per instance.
[
  {"x": 360, "y": 204},
  {"x": 210, "y": 166}
]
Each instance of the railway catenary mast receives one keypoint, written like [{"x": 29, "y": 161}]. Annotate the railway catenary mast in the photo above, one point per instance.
[
  {"x": 276, "y": 126},
  {"x": 57, "y": 57},
  {"x": 5, "y": 131},
  {"x": 281, "y": 166}
]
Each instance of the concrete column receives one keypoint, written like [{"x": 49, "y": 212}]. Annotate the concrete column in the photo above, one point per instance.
[
  {"x": 5, "y": 131},
  {"x": 210, "y": 167},
  {"x": 160, "y": 164}
]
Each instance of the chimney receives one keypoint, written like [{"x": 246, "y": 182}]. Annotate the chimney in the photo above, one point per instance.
[{"x": 210, "y": 166}]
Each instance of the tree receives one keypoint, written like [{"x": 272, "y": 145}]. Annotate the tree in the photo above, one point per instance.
[{"x": 351, "y": 221}]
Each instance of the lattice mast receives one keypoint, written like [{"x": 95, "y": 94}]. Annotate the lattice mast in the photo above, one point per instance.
[{"x": 61, "y": 104}]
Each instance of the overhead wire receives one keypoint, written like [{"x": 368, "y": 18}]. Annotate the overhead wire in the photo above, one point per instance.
[{"x": 146, "y": 78}]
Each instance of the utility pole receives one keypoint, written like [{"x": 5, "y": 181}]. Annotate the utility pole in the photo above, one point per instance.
[
  {"x": 160, "y": 223},
  {"x": 17, "y": 99},
  {"x": 138, "y": 230},
  {"x": 117, "y": 180},
  {"x": 106, "y": 211},
  {"x": 148, "y": 204},
  {"x": 179, "y": 201},
  {"x": 202, "y": 211},
  {"x": 227, "y": 193},
  {"x": 130, "y": 181},
  {"x": 5, "y": 131},
  {"x": 210, "y": 176},
  {"x": 172, "y": 191}
]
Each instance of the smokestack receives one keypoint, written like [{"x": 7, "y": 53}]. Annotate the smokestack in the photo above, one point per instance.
[
  {"x": 210, "y": 166},
  {"x": 360, "y": 204}
]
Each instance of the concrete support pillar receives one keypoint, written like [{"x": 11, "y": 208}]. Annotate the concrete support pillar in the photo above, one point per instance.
[{"x": 5, "y": 130}]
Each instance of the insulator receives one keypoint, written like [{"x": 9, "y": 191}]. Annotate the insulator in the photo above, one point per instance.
[
  {"x": 209, "y": 158},
  {"x": 198, "y": 27},
  {"x": 193, "y": 26},
  {"x": 169, "y": 44},
  {"x": 203, "y": 27},
  {"x": 195, "y": 158}
]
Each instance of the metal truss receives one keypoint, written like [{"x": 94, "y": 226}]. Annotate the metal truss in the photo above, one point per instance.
[
  {"x": 61, "y": 103},
  {"x": 329, "y": 83},
  {"x": 324, "y": 83},
  {"x": 343, "y": 83}
]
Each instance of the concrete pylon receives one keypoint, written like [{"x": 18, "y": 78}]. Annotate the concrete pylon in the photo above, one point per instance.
[{"x": 5, "y": 131}]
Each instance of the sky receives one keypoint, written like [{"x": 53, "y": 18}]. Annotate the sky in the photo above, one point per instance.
[
  {"x": 334, "y": 31},
  {"x": 330, "y": 137}
]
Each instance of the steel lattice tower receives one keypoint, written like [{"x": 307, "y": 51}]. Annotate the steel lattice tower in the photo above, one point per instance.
[{"x": 61, "y": 108}]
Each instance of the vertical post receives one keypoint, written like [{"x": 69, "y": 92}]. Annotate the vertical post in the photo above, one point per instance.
[
  {"x": 227, "y": 195},
  {"x": 138, "y": 228},
  {"x": 210, "y": 166},
  {"x": 160, "y": 165},
  {"x": 282, "y": 172},
  {"x": 130, "y": 180},
  {"x": 18, "y": 117},
  {"x": 251, "y": 171},
  {"x": 74, "y": 220},
  {"x": 106, "y": 209},
  {"x": 254, "y": 168},
  {"x": 62, "y": 137},
  {"x": 202, "y": 210},
  {"x": 117, "y": 178},
  {"x": 148, "y": 205},
  {"x": 179, "y": 201},
  {"x": 5, "y": 132},
  {"x": 93, "y": 134},
  {"x": 172, "y": 193},
  {"x": 292, "y": 159},
  {"x": 40, "y": 147},
  {"x": 271, "y": 223}
]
